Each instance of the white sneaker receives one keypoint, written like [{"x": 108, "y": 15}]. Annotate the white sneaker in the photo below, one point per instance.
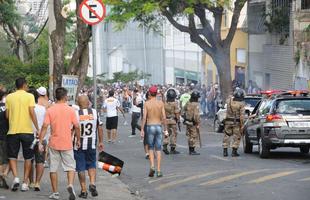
[
  {"x": 72, "y": 195},
  {"x": 25, "y": 187},
  {"x": 15, "y": 184},
  {"x": 131, "y": 136},
  {"x": 55, "y": 196}
]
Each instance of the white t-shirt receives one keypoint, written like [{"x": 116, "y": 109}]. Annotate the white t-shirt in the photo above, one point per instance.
[
  {"x": 111, "y": 104},
  {"x": 139, "y": 100},
  {"x": 40, "y": 112}
]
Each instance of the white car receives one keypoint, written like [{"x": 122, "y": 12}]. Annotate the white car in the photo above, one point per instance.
[{"x": 250, "y": 103}]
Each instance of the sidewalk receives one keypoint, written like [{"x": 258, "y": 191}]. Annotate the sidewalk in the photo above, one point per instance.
[{"x": 109, "y": 188}]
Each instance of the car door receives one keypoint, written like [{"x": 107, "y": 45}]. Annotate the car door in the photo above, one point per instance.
[{"x": 253, "y": 121}]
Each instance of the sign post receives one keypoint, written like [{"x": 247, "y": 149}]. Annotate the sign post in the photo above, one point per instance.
[{"x": 93, "y": 12}]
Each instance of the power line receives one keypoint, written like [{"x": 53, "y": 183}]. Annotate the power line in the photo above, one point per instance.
[{"x": 33, "y": 41}]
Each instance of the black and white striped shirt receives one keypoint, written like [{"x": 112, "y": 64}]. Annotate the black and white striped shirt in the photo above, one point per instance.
[{"x": 89, "y": 121}]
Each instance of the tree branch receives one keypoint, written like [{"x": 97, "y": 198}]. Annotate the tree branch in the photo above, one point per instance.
[
  {"x": 177, "y": 25},
  {"x": 218, "y": 15},
  {"x": 196, "y": 38},
  {"x": 234, "y": 22},
  {"x": 207, "y": 30}
]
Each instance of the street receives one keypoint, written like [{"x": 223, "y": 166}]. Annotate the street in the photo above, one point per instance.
[{"x": 285, "y": 176}]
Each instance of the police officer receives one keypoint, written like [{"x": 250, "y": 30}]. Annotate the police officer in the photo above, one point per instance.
[
  {"x": 233, "y": 122},
  {"x": 173, "y": 117},
  {"x": 192, "y": 122}
]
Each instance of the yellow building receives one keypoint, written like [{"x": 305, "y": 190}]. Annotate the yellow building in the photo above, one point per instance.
[{"x": 238, "y": 51}]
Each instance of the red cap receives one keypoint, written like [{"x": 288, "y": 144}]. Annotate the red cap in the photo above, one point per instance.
[{"x": 153, "y": 89}]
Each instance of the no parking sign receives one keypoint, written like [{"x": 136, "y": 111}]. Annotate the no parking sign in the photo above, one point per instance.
[{"x": 92, "y": 11}]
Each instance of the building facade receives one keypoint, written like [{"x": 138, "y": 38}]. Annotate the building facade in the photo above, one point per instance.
[
  {"x": 182, "y": 58},
  {"x": 132, "y": 48},
  {"x": 272, "y": 57}
]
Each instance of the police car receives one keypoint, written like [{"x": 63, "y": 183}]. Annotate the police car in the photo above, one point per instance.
[
  {"x": 250, "y": 102},
  {"x": 282, "y": 119}
]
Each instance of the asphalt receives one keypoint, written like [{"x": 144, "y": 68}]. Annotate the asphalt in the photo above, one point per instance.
[{"x": 284, "y": 176}]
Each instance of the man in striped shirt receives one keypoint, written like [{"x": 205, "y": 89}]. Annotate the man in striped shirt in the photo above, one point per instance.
[{"x": 85, "y": 156}]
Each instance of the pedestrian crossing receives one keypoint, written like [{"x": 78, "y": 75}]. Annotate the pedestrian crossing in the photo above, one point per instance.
[{"x": 252, "y": 177}]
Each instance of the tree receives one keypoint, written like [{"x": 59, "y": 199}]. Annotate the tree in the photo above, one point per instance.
[
  {"x": 79, "y": 62},
  {"x": 206, "y": 36},
  {"x": 10, "y": 22}
]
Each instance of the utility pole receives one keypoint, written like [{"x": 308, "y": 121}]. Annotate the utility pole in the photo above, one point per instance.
[
  {"x": 51, "y": 28},
  {"x": 94, "y": 28}
]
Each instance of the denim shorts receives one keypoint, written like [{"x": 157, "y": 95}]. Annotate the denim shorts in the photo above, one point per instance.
[
  {"x": 154, "y": 137},
  {"x": 85, "y": 159}
]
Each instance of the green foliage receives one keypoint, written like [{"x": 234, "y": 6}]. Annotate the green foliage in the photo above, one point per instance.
[
  {"x": 148, "y": 12},
  {"x": 129, "y": 77},
  {"x": 35, "y": 71},
  {"x": 278, "y": 22},
  {"x": 8, "y": 13}
]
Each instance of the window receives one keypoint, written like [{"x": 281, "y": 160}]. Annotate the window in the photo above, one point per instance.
[
  {"x": 265, "y": 107},
  {"x": 241, "y": 56},
  {"x": 305, "y": 4}
]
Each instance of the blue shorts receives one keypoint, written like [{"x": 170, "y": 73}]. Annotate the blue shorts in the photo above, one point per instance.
[
  {"x": 85, "y": 159},
  {"x": 154, "y": 137}
]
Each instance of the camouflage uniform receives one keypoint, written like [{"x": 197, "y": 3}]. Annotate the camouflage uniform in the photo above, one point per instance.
[
  {"x": 192, "y": 114},
  {"x": 172, "y": 110},
  {"x": 233, "y": 122}
]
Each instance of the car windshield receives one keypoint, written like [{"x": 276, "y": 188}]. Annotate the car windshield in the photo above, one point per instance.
[
  {"x": 293, "y": 106},
  {"x": 251, "y": 102}
]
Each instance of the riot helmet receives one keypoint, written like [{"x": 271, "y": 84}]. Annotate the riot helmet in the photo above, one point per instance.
[
  {"x": 239, "y": 94},
  {"x": 195, "y": 96},
  {"x": 171, "y": 95}
]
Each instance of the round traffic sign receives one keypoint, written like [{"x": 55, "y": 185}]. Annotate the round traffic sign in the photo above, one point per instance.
[{"x": 92, "y": 11}]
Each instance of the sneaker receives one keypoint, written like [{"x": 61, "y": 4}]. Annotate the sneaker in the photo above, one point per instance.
[
  {"x": 15, "y": 184},
  {"x": 32, "y": 185},
  {"x": 37, "y": 187},
  {"x": 83, "y": 195},
  {"x": 147, "y": 156},
  {"x": 132, "y": 136},
  {"x": 55, "y": 196},
  {"x": 152, "y": 172},
  {"x": 25, "y": 187},
  {"x": 93, "y": 190},
  {"x": 71, "y": 192},
  {"x": 3, "y": 183},
  {"x": 159, "y": 174},
  {"x": 109, "y": 141}
]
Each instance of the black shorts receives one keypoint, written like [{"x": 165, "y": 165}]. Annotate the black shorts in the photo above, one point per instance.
[
  {"x": 14, "y": 141},
  {"x": 112, "y": 123},
  {"x": 3, "y": 152},
  {"x": 38, "y": 155}
]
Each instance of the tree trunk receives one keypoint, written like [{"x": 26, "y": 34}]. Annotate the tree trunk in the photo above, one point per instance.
[
  {"x": 58, "y": 44},
  {"x": 222, "y": 62}
]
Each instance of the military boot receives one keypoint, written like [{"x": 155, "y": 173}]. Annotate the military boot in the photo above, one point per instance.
[
  {"x": 193, "y": 152},
  {"x": 234, "y": 153},
  {"x": 225, "y": 152},
  {"x": 165, "y": 149},
  {"x": 173, "y": 151}
]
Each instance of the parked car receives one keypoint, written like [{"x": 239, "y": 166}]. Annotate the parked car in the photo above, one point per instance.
[
  {"x": 250, "y": 102},
  {"x": 279, "y": 121}
]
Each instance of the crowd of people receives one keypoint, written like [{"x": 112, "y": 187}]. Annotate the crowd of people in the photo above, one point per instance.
[
  {"x": 50, "y": 132},
  {"x": 44, "y": 131}
]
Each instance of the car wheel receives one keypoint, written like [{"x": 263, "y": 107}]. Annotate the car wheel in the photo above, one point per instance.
[
  {"x": 263, "y": 150},
  {"x": 304, "y": 149},
  {"x": 247, "y": 145},
  {"x": 217, "y": 126}
]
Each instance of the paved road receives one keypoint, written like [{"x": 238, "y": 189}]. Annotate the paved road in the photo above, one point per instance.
[{"x": 285, "y": 176}]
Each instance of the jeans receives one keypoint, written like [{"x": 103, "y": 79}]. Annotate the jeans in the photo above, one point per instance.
[
  {"x": 154, "y": 137},
  {"x": 134, "y": 122},
  {"x": 203, "y": 105}
]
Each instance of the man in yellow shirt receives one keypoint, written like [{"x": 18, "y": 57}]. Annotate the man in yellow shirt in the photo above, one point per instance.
[{"x": 20, "y": 113}]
